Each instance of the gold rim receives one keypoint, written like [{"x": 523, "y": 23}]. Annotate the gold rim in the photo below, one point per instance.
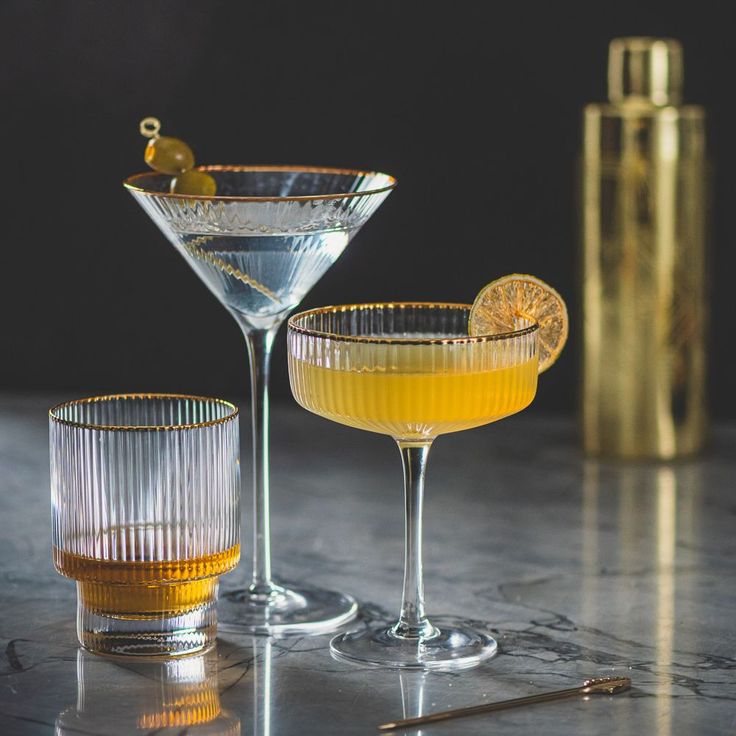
[
  {"x": 133, "y": 183},
  {"x": 293, "y": 325},
  {"x": 53, "y": 413}
]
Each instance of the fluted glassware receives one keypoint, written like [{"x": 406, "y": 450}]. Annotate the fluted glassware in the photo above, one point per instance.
[
  {"x": 145, "y": 502},
  {"x": 259, "y": 245},
  {"x": 410, "y": 370}
]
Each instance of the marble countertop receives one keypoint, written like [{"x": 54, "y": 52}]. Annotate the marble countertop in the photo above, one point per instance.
[{"x": 580, "y": 568}]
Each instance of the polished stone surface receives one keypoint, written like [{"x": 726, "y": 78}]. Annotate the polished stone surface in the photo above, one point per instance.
[{"x": 578, "y": 568}]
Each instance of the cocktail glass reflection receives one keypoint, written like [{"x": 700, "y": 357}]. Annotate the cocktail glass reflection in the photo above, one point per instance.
[
  {"x": 260, "y": 245},
  {"x": 174, "y": 696},
  {"x": 412, "y": 372}
]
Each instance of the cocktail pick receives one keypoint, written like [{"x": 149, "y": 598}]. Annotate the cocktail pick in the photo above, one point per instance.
[
  {"x": 607, "y": 685},
  {"x": 173, "y": 156}
]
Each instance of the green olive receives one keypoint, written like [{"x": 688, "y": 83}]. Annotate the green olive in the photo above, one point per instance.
[
  {"x": 194, "y": 182},
  {"x": 169, "y": 155}
]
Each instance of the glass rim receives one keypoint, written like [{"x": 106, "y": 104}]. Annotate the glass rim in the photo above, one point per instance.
[
  {"x": 464, "y": 340},
  {"x": 132, "y": 184},
  {"x": 54, "y": 410}
]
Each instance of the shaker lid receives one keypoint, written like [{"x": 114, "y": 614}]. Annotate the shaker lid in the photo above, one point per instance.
[{"x": 645, "y": 69}]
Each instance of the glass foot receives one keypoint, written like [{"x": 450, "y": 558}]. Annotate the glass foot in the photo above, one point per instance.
[
  {"x": 285, "y": 611},
  {"x": 192, "y": 632},
  {"x": 456, "y": 646}
]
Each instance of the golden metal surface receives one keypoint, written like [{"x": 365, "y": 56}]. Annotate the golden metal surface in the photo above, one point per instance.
[
  {"x": 594, "y": 686},
  {"x": 643, "y": 266},
  {"x": 645, "y": 69},
  {"x": 150, "y": 127},
  {"x": 609, "y": 685}
]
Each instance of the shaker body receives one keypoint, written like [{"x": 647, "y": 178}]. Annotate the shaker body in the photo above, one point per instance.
[{"x": 644, "y": 216}]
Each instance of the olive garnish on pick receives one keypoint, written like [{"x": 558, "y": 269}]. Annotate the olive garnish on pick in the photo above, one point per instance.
[{"x": 174, "y": 157}]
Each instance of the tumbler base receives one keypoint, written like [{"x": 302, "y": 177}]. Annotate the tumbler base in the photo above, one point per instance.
[{"x": 148, "y": 636}]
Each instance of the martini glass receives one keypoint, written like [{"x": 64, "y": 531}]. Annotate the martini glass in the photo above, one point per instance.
[
  {"x": 259, "y": 245},
  {"x": 412, "y": 372}
]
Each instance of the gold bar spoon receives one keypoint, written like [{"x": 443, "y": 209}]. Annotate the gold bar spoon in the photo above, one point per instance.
[{"x": 608, "y": 685}]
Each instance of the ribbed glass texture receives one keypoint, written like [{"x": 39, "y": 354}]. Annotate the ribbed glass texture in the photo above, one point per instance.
[
  {"x": 408, "y": 370},
  {"x": 259, "y": 244},
  {"x": 145, "y": 506},
  {"x": 136, "y": 478},
  {"x": 269, "y": 234}
]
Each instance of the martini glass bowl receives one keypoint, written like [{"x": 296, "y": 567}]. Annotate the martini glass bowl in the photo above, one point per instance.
[
  {"x": 259, "y": 245},
  {"x": 412, "y": 372}
]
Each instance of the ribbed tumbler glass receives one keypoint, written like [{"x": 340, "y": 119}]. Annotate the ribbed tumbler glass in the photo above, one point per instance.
[{"x": 145, "y": 498}]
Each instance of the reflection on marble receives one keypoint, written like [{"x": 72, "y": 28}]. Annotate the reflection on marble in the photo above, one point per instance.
[
  {"x": 579, "y": 568},
  {"x": 159, "y": 696},
  {"x": 262, "y": 654},
  {"x": 412, "y": 696}
]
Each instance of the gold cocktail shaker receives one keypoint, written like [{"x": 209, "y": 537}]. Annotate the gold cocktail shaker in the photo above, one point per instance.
[{"x": 644, "y": 192}]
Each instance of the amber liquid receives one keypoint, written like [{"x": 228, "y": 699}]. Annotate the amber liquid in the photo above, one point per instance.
[
  {"x": 188, "y": 705},
  {"x": 409, "y": 402},
  {"x": 143, "y": 588}
]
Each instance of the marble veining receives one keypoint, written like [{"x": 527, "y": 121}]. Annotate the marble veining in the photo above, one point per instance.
[{"x": 579, "y": 569}]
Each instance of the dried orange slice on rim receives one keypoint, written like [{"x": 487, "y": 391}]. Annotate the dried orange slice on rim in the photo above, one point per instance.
[{"x": 499, "y": 305}]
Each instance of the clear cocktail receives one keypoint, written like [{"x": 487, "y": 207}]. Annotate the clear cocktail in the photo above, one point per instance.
[{"x": 259, "y": 244}]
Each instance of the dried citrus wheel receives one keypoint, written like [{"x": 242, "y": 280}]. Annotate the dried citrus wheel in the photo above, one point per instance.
[{"x": 499, "y": 305}]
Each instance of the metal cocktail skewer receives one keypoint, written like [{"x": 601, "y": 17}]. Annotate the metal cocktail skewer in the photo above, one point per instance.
[{"x": 608, "y": 685}]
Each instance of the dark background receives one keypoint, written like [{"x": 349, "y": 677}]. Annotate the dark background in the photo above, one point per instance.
[{"x": 473, "y": 106}]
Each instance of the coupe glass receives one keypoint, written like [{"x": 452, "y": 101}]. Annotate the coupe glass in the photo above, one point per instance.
[
  {"x": 259, "y": 245},
  {"x": 412, "y": 372}
]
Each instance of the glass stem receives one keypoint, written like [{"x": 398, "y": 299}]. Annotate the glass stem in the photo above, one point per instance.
[
  {"x": 413, "y": 623},
  {"x": 260, "y": 342}
]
